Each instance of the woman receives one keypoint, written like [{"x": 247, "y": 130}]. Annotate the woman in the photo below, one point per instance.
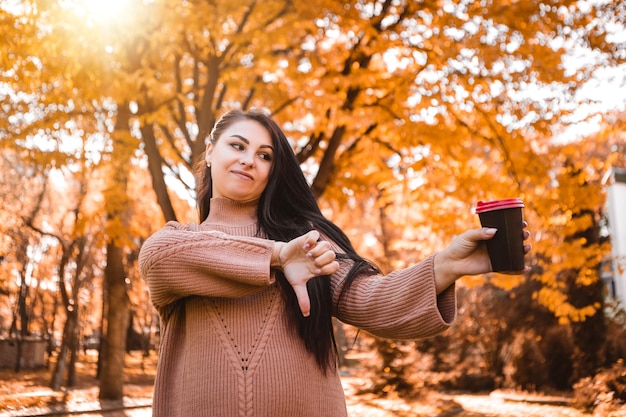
[{"x": 246, "y": 297}]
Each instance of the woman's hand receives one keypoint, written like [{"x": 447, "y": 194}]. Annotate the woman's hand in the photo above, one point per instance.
[
  {"x": 302, "y": 259},
  {"x": 467, "y": 255}
]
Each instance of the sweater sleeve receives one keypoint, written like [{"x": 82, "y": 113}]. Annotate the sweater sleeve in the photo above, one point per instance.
[
  {"x": 400, "y": 305},
  {"x": 184, "y": 260}
]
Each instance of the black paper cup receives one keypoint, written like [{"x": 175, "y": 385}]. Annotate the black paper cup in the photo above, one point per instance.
[{"x": 506, "y": 248}]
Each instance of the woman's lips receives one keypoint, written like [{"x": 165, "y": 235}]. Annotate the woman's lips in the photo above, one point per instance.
[{"x": 243, "y": 174}]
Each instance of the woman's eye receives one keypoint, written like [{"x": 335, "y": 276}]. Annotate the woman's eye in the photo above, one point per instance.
[
  {"x": 237, "y": 146},
  {"x": 266, "y": 156}
]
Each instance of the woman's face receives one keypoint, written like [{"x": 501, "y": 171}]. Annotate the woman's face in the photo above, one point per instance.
[{"x": 241, "y": 160}]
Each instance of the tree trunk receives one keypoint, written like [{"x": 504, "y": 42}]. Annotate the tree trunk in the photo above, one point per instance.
[
  {"x": 102, "y": 344},
  {"x": 114, "y": 350},
  {"x": 116, "y": 195},
  {"x": 22, "y": 331},
  {"x": 327, "y": 165},
  {"x": 67, "y": 347},
  {"x": 590, "y": 334},
  {"x": 155, "y": 167},
  {"x": 73, "y": 346},
  {"x": 59, "y": 368}
]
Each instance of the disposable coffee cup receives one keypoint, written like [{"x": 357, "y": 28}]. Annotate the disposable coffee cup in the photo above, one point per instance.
[{"x": 506, "y": 248}]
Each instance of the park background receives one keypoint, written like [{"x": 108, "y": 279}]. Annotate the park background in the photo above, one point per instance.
[{"x": 403, "y": 115}]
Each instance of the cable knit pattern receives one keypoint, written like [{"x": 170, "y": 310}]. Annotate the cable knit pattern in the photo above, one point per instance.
[{"x": 227, "y": 348}]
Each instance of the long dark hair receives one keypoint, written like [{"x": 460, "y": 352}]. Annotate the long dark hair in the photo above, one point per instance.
[{"x": 287, "y": 209}]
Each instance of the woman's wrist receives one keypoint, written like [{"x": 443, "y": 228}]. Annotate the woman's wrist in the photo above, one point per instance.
[
  {"x": 276, "y": 261},
  {"x": 444, "y": 277}
]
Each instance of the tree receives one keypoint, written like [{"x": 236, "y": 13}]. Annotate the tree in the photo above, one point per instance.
[
  {"x": 194, "y": 65},
  {"x": 66, "y": 82},
  {"x": 25, "y": 247},
  {"x": 78, "y": 246},
  {"x": 117, "y": 305}
]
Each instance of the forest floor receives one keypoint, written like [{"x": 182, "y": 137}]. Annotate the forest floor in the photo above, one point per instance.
[{"x": 27, "y": 394}]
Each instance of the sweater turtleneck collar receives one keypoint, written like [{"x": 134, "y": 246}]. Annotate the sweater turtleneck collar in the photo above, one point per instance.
[{"x": 233, "y": 213}]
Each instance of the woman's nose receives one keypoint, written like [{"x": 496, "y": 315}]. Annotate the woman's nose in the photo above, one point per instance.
[{"x": 246, "y": 159}]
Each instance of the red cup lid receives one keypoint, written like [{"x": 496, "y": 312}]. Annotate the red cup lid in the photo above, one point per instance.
[{"x": 507, "y": 203}]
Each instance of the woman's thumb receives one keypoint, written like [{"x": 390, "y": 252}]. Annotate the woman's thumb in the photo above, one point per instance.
[{"x": 303, "y": 299}]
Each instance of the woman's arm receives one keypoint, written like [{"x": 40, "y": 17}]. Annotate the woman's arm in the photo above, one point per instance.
[
  {"x": 179, "y": 261},
  {"x": 401, "y": 305},
  {"x": 418, "y": 301}
]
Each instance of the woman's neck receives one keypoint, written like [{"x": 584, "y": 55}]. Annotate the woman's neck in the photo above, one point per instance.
[{"x": 231, "y": 212}]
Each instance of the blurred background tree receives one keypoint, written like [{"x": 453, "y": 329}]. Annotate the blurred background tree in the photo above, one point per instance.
[{"x": 406, "y": 112}]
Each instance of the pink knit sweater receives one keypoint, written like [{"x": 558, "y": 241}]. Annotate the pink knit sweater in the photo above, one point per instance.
[{"x": 226, "y": 345}]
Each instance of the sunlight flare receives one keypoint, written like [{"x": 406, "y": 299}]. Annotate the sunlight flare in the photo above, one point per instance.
[{"x": 99, "y": 10}]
